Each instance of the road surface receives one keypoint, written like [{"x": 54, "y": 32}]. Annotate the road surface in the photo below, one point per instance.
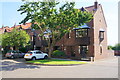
[{"x": 106, "y": 68}]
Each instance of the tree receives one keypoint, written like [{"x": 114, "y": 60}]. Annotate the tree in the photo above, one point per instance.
[
  {"x": 16, "y": 38},
  {"x": 0, "y": 39},
  {"x": 55, "y": 21},
  {"x": 110, "y": 47},
  {"x": 116, "y": 47}
]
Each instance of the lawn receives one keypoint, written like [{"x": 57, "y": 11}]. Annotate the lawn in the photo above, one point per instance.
[{"x": 56, "y": 62}]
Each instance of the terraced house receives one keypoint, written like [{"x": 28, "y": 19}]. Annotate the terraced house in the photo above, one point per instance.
[{"x": 88, "y": 41}]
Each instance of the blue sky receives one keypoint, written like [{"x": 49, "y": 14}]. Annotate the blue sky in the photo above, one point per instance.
[{"x": 9, "y": 15}]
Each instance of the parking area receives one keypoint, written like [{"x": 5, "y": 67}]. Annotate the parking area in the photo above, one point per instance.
[{"x": 106, "y": 68}]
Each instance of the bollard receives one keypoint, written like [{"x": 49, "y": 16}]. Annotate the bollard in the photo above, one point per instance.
[{"x": 92, "y": 59}]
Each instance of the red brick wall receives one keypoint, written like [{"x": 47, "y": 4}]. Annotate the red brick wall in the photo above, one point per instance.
[{"x": 99, "y": 22}]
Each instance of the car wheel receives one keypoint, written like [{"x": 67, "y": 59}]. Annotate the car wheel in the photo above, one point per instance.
[
  {"x": 12, "y": 57},
  {"x": 33, "y": 58},
  {"x": 46, "y": 57}
]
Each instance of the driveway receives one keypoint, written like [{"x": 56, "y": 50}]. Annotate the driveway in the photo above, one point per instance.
[{"x": 106, "y": 68}]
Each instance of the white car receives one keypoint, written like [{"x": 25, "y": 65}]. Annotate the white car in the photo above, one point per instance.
[{"x": 36, "y": 54}]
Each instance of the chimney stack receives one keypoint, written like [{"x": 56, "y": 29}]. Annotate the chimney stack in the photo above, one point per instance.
[{"x": 96, "y": 4}]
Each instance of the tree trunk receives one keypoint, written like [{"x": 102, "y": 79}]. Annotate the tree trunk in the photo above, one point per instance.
[{"x": 50, "y": 46}]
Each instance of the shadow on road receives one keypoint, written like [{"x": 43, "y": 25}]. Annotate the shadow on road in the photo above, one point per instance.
[{"x": 11, "y": 65}]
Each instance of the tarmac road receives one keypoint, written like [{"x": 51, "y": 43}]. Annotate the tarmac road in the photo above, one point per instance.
[{"x": 106, "y": 68}]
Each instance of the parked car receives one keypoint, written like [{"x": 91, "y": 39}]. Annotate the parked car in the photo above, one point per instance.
[
  {"x": 14, "y": 54},
  {"x": 36, "y": 54}
]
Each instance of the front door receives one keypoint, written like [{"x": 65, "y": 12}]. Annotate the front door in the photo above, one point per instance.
[{"x": 83, "y": 51}]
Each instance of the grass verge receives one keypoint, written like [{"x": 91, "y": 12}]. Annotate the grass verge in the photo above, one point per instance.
[{"x": 56, "y": 62}]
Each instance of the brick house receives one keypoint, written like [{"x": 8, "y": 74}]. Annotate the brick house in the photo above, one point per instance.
[
  {"x": 34, "y": 39},
  {"x": 91, "y": 40},
  {"x": 80, "y": 43}
]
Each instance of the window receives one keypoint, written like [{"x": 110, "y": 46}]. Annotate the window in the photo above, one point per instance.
[
  {"x": 101, "y": 35},
  {"x": 100, "y": 49},
  {"x": 81, "y": 32},
  {"x": 57, "y": 48},
  {"x": 81, "y": 48},
  {"x": 38, "y": 52}
]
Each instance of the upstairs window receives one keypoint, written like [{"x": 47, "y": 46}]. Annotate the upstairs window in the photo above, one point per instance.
[
  {"x": 101, "y": 35},
  {"x": 81, "y": 33}
]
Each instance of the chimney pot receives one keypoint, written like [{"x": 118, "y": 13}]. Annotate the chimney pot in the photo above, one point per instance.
[{"x": 96, "y": 4}]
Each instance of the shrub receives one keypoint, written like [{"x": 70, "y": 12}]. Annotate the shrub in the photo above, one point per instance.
[
  {"x": 23, "y": 49},
  {"x": 58, "y": 53}
]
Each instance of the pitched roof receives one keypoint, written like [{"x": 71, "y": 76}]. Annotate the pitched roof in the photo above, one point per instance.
[
  {"x": 9, "y": 29},
  {"x": 26, "y": 26},
  {"x": 91, "y": 8}
]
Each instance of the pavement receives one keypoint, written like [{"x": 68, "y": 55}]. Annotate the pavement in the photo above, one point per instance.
[{"x": 105, "y": 68}]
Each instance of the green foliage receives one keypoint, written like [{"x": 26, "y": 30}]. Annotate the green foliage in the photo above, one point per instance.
[
  {"x": 46, "y": 15},
  {"x": 23, "y": 49},
  {"x": 56, "y": 62},
  {"x": 17, "y": 38},
  {"x": 116, "y": 47},
  {"x": 58, "y": 53},
  {"x": 0, "y": 39},
  {"x": 110, "y": 47},
  {"x": 58, "y": 20},
  {"x": 6, "y": 39}
]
